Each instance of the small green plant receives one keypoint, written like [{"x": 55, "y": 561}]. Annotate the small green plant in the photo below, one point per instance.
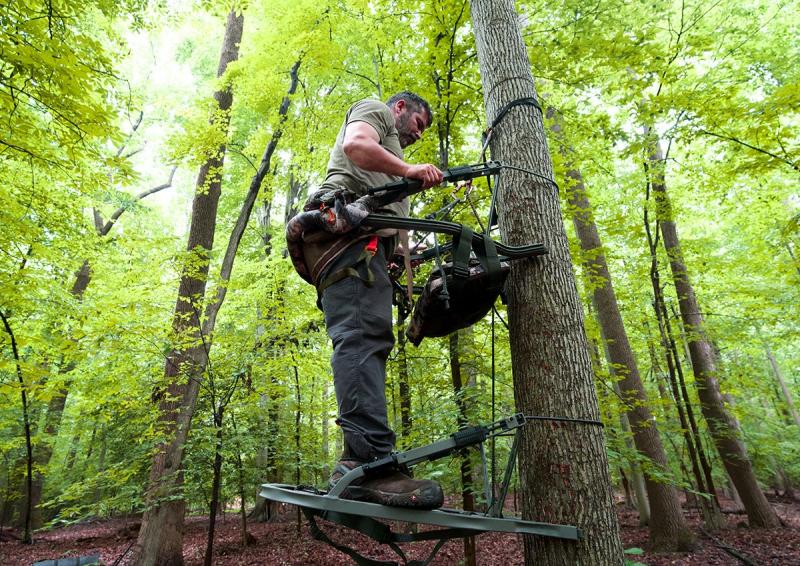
[{"x": 634, "y": 552}]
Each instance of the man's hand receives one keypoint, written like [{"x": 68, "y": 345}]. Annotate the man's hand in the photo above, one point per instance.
[{"x": 429, "y": 174}]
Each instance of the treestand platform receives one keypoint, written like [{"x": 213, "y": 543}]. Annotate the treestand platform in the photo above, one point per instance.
[{"x": 364, "y": 517}]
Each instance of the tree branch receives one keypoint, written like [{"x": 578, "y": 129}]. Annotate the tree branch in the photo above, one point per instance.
[
  {"x": 105, "y": 229},
  {"x": 754, "y": 148},
  {"x": 133, "y": 131}
]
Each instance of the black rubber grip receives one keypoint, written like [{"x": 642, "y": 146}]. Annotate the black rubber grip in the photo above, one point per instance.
[{"x": 470, "y": 436}]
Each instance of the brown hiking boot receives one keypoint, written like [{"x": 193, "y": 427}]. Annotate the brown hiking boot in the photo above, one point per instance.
[{"x": 393, "y": 488}]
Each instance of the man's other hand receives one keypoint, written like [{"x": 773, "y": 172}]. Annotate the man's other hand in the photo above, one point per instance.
[{"x": 430, "y": 175}]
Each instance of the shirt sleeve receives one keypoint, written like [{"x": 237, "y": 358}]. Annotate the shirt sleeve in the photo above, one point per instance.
[{"x": 373, "y": 112}]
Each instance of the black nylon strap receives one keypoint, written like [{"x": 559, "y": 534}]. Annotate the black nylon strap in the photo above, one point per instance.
[
  {"x": 490, "y": 260},
  {"x": 461, "y": 249},
  {"x": 319, "y": 535},
  {"x": 381, "y": 533},
  {"x": 527, "y": 101},
  {"x": 346, "y": 272}
]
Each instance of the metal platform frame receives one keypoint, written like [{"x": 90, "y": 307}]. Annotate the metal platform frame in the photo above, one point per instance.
[{"x": 363, "y": 516}]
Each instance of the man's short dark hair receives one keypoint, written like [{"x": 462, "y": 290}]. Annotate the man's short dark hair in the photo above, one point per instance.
[{"x": 415, "y": 101}]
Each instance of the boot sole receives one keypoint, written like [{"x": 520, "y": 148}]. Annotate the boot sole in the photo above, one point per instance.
[{"x": 426, "y": 499}]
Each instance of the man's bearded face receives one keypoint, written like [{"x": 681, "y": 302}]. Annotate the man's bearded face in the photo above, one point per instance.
[{"x": 410, "y": 124}]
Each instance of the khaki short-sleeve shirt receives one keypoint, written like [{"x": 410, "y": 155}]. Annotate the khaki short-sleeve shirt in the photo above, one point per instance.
[{"x": 344, "y": 173}]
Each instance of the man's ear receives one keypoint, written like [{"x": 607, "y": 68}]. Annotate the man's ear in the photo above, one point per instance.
[{"x": 400, "y": 105}]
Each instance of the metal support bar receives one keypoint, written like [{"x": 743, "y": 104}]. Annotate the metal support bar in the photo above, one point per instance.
[
  {"x": 463, "y": 438},
  {"x": 453, "y": 228},
  {"x": 496, "y": 509}
]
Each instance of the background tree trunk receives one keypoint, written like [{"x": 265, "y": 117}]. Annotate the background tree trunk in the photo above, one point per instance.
[
  {"x": 27, "y": 536},
  {"x": 467, "y": 496},
  {"x": 668, "y": 528},
  {"x": 161, "y": 534},
  {"x": 787, "y": 396},
  {"x": 404, "y": 389},
  {"x": 563, "y": 467},
  {"x": 216, "y": 481},
  {"x": 722, "y": 425}
]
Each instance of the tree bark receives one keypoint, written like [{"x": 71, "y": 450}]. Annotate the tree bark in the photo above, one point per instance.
[
  {"x": 161, "y": 534},
  {"x": 667, "y": 526},
  {"x": 563, "y": 467},
  {"x": 637, "y": 480},
  {"x": 722, "y": 425}
]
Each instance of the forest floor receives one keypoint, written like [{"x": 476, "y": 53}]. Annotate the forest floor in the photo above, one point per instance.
[{"x": 282, "y": 543}]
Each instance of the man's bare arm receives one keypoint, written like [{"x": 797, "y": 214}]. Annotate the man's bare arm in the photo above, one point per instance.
[{"x": 362, "y": 146}]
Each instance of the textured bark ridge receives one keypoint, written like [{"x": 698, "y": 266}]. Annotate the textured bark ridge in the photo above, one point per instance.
[
  {"x": 563, "y": 467},
  {"x": 722, "y": 425},
  {"x": 161, "y": 536}
]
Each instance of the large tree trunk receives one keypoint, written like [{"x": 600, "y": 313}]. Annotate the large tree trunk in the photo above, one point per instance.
[
  {"x": 722, "y": 425},
  {"x": 161, "y": 534},
  {"x": 563, "y": 467},
  {"x": 668, "y": 528}
]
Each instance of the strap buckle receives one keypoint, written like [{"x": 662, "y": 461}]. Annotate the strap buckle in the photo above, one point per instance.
[{"x": 372, "y": 246}]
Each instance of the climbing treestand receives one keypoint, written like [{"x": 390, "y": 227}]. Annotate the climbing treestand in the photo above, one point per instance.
[
  {"x": 474, "y": 259},
  {"x": 363, "y": 516}
]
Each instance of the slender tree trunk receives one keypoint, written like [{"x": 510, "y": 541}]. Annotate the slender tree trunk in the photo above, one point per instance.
[
  {"x": 297, "y": 401},
  {"x": 637, "y": 481},
  {"x": 467, "y": 496},
  {"x": 722, "y": 425},
  {"x": 217, "y": 479},
  {"x": 403, "y": 384},
  {"x": 326, "y": 397},
  {"x": 161, "y": 534},
  {"x": 787, "y": 396},
  {"x": 264, "y": 507},
  {"x": 101, "y": 463},
  {"x": 712, "y": 513},
  {"x": 668, "y": 528},
  {"x": 247, "y": 538},
  {"x": 794, "y": 257},
  {"x": 27, "y": 537},
  {"x": 55, "y": 407},
  {"x": 563, "y": 467}
]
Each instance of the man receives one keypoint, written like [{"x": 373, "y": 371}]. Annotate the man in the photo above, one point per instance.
[{"x": 357, "y": 304}]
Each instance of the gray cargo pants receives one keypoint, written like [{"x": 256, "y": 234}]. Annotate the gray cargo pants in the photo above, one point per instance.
[{"x": 359, "y": 322}]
